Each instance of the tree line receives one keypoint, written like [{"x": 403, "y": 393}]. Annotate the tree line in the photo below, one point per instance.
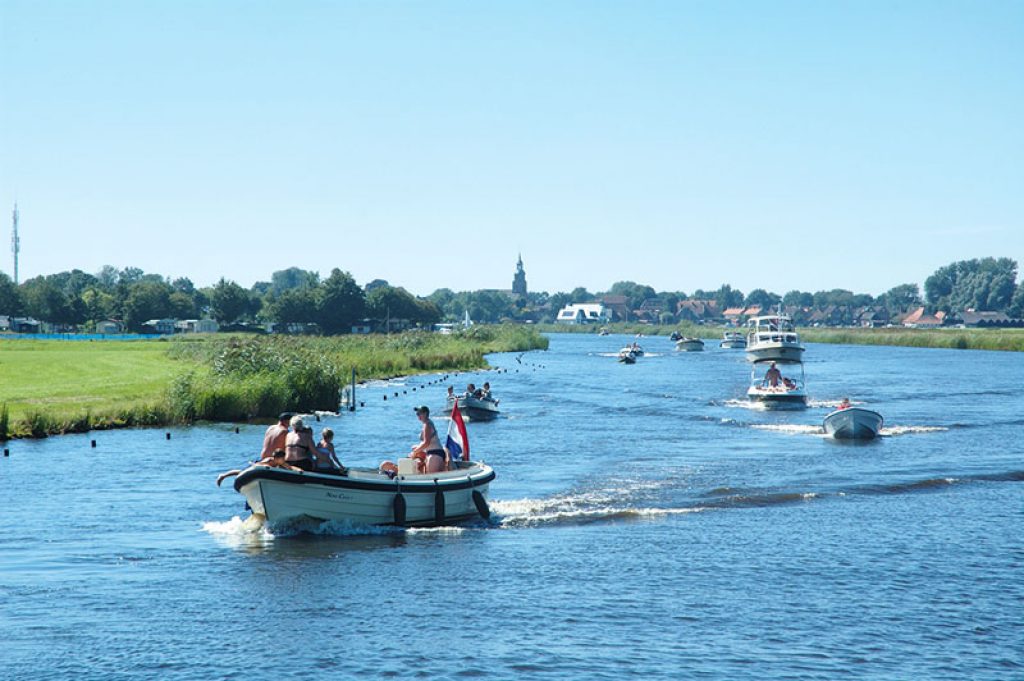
[{"x": 297, "y": 299}]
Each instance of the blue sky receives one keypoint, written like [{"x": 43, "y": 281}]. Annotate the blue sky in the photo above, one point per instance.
[{"x": 783, "y": 145}]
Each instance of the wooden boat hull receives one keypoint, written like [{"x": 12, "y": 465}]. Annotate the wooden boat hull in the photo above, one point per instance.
[{"x": 853, "y": 423}]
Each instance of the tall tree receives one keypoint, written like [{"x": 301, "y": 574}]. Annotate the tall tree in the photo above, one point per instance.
[
  {"x": 10, "y": 298},
  {"x": 341, "y": 303},
  {"x": 229, "y": 302},
  {"x": 292, "y": 278},
  {"x": 147, "y": 300}
]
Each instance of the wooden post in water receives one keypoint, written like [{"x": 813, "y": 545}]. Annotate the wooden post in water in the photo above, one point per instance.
[{"x": 352, "y": 397}]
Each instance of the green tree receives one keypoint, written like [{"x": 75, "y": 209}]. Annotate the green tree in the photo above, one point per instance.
[
  {"x": 43, "y": 298},
  {"x": 901, "y": 298},
  {"x": 985, "y": 284},
  {"x": 146, "y": 300},
  {"x": 293, "y": 278},
  {"x": 766, "y": 300},
  {"x": 10, "y": 298},
  {"x": 798, "y": 299},
  {"x": 295, "y": 306},
  {"x": 229, "y": 302},
  {"x": 726, "y": 296},
  {"x": 341, "y": 303}
]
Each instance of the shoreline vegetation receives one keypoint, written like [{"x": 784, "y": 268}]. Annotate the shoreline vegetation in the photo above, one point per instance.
[
  {"x": 55, "y": 387},
  {"x": 1010, "y": 340}
]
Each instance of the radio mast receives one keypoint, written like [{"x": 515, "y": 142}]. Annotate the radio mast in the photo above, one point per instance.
[{"x": 15, "y": 243}]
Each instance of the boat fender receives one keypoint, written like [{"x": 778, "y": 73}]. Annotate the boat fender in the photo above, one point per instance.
[
  {"x": 438, "y": 504},
  {"x": 398, "y": 506},
  {"x": 481, "y": 505}
]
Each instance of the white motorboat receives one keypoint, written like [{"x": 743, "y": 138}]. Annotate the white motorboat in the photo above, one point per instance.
[
  {"x": 775, "y": 390},
  {"x": 369, "y": 497},
  {"x": 853, "y": 423},
  {"x": 474, "y": 408},
  {"x": 732, "y": 340},
  {"x": 627, "y": 356},
  {"x": 773, "y": 337},
  {"x": 687, "y": 344}
]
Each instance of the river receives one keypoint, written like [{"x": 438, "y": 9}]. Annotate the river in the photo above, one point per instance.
[{"x": 647, "y": 524}]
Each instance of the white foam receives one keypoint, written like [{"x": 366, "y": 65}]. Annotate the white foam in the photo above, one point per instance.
[
  {"x": 791, "y": 428},
  {"x": 906, "y": 430}
]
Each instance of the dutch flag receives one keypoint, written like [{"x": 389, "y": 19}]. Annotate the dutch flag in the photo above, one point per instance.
[{"x": 458, "y": 442}]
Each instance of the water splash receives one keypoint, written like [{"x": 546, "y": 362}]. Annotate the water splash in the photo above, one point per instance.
[
  {"x": 790, "y": 428},
  {"x": 907, "y": 430}
]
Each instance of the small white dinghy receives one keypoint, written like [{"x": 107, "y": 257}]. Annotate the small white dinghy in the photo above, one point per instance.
[
  {"x": 853, "y": 423},
  {"x": 367, "y": 496}
]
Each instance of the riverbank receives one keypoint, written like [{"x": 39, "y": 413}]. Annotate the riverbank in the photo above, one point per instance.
[
  {"x": 1011, "y": 340},
  {"x": 53, "y": 387}
]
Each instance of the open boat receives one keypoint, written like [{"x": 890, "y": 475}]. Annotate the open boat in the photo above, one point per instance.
[
  {"x": 366, "y": 496},
  {"x": 773, "y": 337},
  {"x": 853, "y": 423},
  {"x": 781, "y": 392},
  {"x": 474, "y": 408},
  {"x": 687, "y": 344},
  {"x": 733, "y": 339},
  {"x": 627, "y": 356}
]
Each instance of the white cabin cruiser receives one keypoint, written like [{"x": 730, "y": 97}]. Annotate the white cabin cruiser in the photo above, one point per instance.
[
  {"x": 853, "y": 423},
  {"x": 687, "y": 344},
  {"x": 774, "y": 390},
  {"x": 773, "y": 337},
  {"x": 366, "y": 496},
  {"x": 474, "y": 408},
  {"x": 733, "y": 339}
]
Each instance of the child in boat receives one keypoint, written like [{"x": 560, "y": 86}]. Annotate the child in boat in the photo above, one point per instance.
[
  {"x": 326, "y": 458},
  {"x": 276, "y": 460}
]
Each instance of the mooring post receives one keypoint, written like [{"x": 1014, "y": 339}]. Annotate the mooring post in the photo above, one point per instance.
[{"x": 352, "y": 398}]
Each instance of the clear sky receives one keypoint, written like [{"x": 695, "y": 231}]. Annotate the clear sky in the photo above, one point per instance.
[{"x": 784, "y": 145}]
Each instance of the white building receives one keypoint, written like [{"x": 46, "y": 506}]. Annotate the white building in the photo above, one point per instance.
[{"x": 583, "y": 313}]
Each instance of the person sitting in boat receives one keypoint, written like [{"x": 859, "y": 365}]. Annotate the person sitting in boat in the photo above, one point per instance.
[
  {"x": 299, "y": 446},
  {"x": 845, "y": 404},
  {"x": 451, "y": 393},
  {"x": 326, "y": 458},
  {"x": 276, "y": 435},
  {"x": 772, "y": 376},
  {"x": 473, "y": 391},
  {"x": 275, "y": 460},
  {"x": 428, "y": 452},
  {"x": 789, "y": 383}
]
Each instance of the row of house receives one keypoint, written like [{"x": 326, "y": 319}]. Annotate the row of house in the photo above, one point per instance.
[{"x": 707, "y": 312}]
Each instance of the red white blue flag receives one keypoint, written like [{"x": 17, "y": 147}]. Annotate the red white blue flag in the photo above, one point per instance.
[{"x": 458, "y": 441}]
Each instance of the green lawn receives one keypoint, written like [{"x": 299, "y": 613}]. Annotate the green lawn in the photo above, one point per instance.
[{"x": 73, "y": 377}]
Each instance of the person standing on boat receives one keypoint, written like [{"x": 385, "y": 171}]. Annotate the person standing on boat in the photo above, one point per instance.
[
  {"x": 299, "y": 446},
  {"x": 275, "y": 437},
  {"x": 773, "y": 376},
  {"x": 428, "y": 450}
]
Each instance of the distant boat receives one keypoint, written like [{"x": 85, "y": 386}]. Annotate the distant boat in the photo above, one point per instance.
[
  {"x": 687, "y": 344},
  {"x": 474, "y": 408},
  {"x": 675, "y": 336},
  {"x": 733, "y": 339},
  {"x": 779, "y": 391},
  {"x": 627, "y": 355},
  {"x": 602, "y": 332},
  {"x": 773, "y": 337},
  {"x": 853, "y": 423}
]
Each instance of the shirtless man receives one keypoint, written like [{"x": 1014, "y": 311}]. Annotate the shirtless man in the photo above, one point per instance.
[
  {"x": 275, "y": 436},
  {"x": 773, "y": 376},
  {"x": 274, "y": 461}
]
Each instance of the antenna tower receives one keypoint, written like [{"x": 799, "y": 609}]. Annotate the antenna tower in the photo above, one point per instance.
[{"x": 15, "y": 243}]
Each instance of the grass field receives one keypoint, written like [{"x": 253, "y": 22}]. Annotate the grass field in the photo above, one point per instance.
[{"x": 59, "y": 386}]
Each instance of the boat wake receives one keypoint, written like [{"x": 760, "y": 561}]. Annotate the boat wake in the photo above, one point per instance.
[
  {"x": 910, "y": 430},
  {"x": 790, "y": 428}
]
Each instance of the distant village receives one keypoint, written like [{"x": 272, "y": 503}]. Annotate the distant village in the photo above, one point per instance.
[{"x": 975, "y": 293}]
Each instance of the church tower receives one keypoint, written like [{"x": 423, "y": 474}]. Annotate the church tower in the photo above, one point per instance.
[{"x": 519, "y": 281}]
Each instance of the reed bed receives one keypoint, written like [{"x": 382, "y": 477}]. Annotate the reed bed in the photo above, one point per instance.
[
  {"x": 63, "y": 387},
  {"x": 962, "y": 339}
]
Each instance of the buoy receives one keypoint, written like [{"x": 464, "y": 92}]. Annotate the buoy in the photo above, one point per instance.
[
  {"x": 7, "y": 452},
  {"x": 94, "y": 443},
  {"x": 168, "y": 436},
  {"x": 236, "y": 430},
  {"x": 385, "y": 398},
  {"x": 398, "y": 506},
  {"x": 481, "y": 505},
  {"x": 318, "y": 418},
  {"x": 438, "y": 505}
]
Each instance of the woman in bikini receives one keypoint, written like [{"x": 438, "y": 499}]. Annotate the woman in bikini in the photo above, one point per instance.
[{"x": 428, "y": 450}]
